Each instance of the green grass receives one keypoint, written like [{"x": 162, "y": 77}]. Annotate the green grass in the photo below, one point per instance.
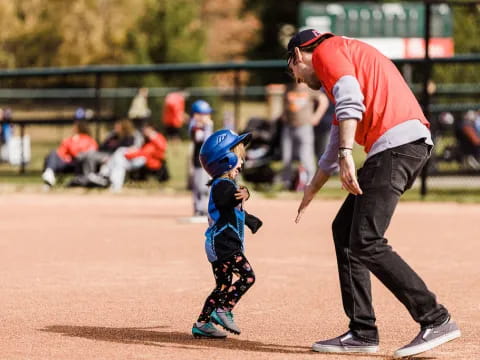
[
  {"x": 334, "y": 192},
  {"x": 178, "y": 159},
  {"x": 445, "y": 195}
]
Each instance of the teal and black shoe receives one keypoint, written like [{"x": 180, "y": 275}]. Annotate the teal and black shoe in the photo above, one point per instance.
[
  {"x": 225, "y": 320},
  {"x": 207, "y": 330}
]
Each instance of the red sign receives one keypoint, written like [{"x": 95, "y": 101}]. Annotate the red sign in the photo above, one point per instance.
[{"x": 438, "y": 47}]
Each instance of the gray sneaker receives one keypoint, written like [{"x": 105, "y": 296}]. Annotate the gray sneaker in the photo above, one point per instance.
[
  {"x": 429, "y": 338},
  {"x": 207, "y": 330},
  {"x": 346, "y": 343},
  {"x": 225, "y": 320}
]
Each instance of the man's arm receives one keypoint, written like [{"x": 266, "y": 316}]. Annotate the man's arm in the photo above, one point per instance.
[
  {"x": 327, "y": 164},
  {"x": 348, "y": 175},
  {"x": 346, "y": 135}
]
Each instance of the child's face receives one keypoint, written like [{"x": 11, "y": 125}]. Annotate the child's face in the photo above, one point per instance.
[
  {"x": 202, "y": 118},
  {"x": 232, "y": 174}
]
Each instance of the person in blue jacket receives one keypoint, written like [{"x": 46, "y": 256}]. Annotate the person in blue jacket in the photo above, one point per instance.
[{"x": 222, "y": 156}]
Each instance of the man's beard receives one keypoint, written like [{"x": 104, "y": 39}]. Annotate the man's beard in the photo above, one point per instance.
[{"x": 313, "y": 83}]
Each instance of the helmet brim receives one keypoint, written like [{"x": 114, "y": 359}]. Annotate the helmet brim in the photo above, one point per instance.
[{"x": 244, "y": 138}]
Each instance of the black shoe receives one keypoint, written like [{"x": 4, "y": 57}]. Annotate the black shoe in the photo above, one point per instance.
[
  {"x": 429, "y": 338},
  {"x": 346, "y": 343}
]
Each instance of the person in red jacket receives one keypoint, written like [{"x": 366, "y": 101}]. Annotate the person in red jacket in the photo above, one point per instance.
[
  {"x": 174, "y": 116},
  {"x": 374, "y": 107},
  {"x": 151, "y": 155},
  {"x": 65, "y": 157}
]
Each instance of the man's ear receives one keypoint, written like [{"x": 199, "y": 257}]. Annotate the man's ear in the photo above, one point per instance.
[{"x": 298, "y": 55}]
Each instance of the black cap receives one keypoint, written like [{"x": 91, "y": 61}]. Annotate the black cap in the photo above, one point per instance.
[{"x": 302, "y": 39}]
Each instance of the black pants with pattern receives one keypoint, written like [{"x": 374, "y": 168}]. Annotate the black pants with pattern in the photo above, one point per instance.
[
  {"x": 226, "y": 295},
  {"x": 361, "y": 247}
]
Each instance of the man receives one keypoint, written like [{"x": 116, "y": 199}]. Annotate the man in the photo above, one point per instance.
[
  {"x": 299, "y": 118},
  {"x": 374, "y": 107}
]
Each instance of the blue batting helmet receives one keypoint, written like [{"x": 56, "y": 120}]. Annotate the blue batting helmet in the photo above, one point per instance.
[
  {"x": 201, "y": 107},
  {"x": 216, "y": 156}
]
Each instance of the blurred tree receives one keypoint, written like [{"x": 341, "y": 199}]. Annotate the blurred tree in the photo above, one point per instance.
[
  {"x": 168, "y": 31},
  {"x": 81, "y": 32},
  {"x": 230, "y": 30},
  {"x": 275, "y": 17},
  {"x": 230, "y": 33},
  {"x": 466, "y": 30},
  {"x": 61, "y": 33}
]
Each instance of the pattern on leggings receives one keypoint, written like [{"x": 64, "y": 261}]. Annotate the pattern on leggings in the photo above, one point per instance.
[{"x": 226, "y": 295}]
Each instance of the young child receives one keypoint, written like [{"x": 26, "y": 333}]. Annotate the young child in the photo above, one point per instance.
[
  {"x": 222, "y": 156},
  {"x": 200, "y": 128}
]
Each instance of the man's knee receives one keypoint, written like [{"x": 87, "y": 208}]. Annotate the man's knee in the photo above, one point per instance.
[{"x": 368, "y": 249}]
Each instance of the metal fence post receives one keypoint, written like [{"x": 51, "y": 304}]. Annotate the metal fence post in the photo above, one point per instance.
[
  {"x": 98, "y": 85},
  {"x": 427, "y": 65},
  {"x": 237, "y": 99},
  {"x": 22, "y": 154}
]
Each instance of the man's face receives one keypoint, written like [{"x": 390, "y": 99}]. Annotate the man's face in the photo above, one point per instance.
[{"x": 302, "y": 70}]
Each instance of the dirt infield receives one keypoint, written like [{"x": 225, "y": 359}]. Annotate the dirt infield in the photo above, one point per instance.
[{"x": 120, "y": 277}]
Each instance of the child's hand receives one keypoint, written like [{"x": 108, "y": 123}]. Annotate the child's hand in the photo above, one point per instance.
[{"x": 242, "y": 193}]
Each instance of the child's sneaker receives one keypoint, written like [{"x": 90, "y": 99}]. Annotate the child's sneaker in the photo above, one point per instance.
[
  {"x": 207, "y": 330},
  {"x": 225, "y": 320}
]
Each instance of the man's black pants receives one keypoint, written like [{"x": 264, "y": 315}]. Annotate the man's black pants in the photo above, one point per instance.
[{"x": 361, "y": 248}]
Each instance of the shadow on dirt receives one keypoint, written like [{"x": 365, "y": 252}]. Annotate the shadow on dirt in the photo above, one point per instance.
[{"x": 156, "y": 336}]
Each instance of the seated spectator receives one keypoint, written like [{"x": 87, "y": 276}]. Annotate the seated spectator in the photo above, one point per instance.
[
  {"x": 123, "y": 135},
  {"x": 469, "y": 139},
  {"x": 65, "y": 158},
  {"x": 151, "y": 155}
]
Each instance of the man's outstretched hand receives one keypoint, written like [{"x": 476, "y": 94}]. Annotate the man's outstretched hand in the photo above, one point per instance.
[
  {"x": 308, "y": 195},
  {"x": 319, "y": 179}
]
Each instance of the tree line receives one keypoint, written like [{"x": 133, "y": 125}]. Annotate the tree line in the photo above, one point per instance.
[{"x": 44, "y": 33}]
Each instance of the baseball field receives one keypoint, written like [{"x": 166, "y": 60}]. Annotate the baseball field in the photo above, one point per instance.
[{"x": 124, "y": 277}]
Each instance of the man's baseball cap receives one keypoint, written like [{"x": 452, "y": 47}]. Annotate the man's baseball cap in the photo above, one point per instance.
[{"x": 303, "y": 39}]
